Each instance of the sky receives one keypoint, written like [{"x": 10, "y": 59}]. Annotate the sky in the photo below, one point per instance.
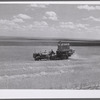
[{"x": 74, "y": 21}]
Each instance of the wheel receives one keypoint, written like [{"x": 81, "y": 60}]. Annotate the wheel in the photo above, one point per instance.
[
  {"x": 37, "y": 58},
  {"x": 66, "y": 57}
]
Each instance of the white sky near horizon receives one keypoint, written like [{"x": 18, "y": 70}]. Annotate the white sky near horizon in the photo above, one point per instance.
[{"x": 74, "y": 21}]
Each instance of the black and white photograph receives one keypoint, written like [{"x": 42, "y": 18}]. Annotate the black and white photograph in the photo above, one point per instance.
[{"x": 50, "y": 46}]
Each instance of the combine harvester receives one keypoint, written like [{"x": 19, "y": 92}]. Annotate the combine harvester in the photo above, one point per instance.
[{"x": 63, "y": 52}]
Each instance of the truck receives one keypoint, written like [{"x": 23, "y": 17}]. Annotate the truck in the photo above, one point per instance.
[{"x": 63, "y": 52}]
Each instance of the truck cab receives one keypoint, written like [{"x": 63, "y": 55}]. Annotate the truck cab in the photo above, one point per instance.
[{"x": 64, "y": 50}]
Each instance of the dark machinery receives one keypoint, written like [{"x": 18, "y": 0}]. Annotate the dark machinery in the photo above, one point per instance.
[{"x": 63, "y": 52}]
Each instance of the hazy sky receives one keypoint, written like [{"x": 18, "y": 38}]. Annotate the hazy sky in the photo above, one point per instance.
[{"x": 80, "y": 21}]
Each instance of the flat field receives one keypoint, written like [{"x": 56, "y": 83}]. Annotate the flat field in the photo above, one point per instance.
[{"x": 18, "y": 70}]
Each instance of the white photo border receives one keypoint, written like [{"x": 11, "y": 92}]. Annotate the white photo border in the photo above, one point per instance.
[{"x": 37, "y": 93}]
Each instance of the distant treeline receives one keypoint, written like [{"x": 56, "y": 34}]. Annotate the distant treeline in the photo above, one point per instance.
[
  {"x": 84, "y": 44},
  {"x": 45, "y": 43},
  {"x": 25, "y": 41}
]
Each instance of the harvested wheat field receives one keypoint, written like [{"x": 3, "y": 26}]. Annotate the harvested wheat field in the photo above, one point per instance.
[{"x": 18, "y": 70}]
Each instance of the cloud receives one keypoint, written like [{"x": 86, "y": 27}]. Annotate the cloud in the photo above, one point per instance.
[
  {"x": 22, "y": 16},
  {"x": 12, "y": 25},
  {"x": 83, "y": 26},
  {"x": 18, "y": 20},
  {"x": 67, "y": 25},
  {"x": 40, "y": 24},
  {"x": 39, "y": 5},
  {"x": 36, "y": 25},
  {"x": 14, "y": 22},
  {"x": 50, "y": 15},
  {"x": 87, "y": 7},
  {"x": 72, "y": 25},
  {"x": 8, "y": 24},
  {"x": 92, "y": 18}
]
